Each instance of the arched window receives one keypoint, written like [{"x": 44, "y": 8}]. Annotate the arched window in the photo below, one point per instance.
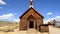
[
  {"x": 38, "y": 22},
  {"x": 25, "y": 21}
]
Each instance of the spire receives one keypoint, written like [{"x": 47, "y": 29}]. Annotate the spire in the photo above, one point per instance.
[{"x": 31, "y": 3}]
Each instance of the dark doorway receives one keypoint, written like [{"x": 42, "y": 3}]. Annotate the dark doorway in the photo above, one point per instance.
[{"x": 31, "y": 24}]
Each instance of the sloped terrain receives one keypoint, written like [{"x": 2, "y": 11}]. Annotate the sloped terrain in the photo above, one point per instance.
[
  {"x": 54, "y": 30},
  {"x": 6, "y": 27}
]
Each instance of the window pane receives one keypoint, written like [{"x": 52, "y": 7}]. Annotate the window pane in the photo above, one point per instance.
[
  {"x": 38, "y": 22},
  {"x": 25, "y": 22}
]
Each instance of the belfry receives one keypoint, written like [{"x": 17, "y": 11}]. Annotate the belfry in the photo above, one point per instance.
[
  {"x": 32, "y": 19},
  {"x": 31, "y": 3}
]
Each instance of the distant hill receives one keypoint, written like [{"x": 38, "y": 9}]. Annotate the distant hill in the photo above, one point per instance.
[{"x": 4, "y": 23}]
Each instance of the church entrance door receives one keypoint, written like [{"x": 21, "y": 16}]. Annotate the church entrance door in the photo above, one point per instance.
[{"x": 31, "y": 24}]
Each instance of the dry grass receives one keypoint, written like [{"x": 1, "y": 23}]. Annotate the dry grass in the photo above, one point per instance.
[
  {"x": 52, "y": 30},
  {"x": 16, "y": 31}
]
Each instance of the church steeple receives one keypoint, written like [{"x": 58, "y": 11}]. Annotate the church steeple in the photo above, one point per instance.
[{"x": 31, "y": 3}]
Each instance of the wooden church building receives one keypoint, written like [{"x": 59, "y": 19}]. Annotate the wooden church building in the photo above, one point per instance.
[{"x": 32, "y": 19}]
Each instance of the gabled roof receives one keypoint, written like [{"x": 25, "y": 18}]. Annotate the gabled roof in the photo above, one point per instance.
[{"x": 28, "y": 10}]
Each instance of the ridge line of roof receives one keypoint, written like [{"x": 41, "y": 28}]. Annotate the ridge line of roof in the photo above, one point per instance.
[{"x": 28, "y": 10}]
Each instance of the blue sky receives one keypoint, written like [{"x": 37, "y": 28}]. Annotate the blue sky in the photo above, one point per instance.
[{"x": 13, "y": 9}]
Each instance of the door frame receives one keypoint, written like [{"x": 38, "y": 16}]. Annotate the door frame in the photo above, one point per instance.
[{"x": 31, "y": 23}]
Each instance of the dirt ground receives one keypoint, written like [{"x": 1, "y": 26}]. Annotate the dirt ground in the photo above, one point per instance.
[
  {"x": 30, "y": 31},
  {"x": 52, "y": 30}
]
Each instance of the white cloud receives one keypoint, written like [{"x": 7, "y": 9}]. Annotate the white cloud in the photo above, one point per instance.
[
  {"x": 46, "y": 21},
  {"x": 49, "y": 13},
  {"x": 57, "y": 18},
  {"x": 2, "y": 2},
  {"x": 9, "y": 17},
  {"x": 17, "y": 20},
  {"x": 6, "y": 16}
]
